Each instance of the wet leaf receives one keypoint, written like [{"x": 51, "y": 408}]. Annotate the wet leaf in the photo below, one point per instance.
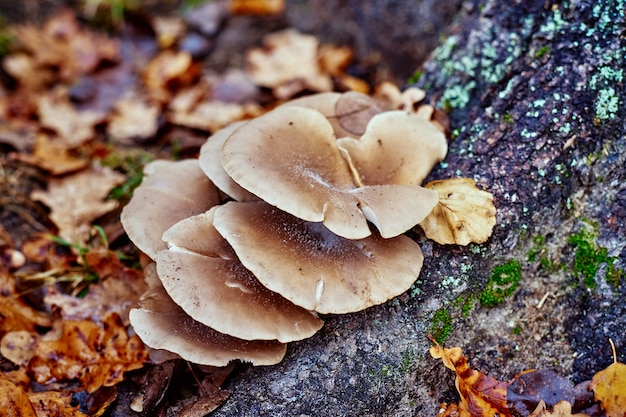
[
  {"x": 526, "y": 391},
  {"x": 95, "y": 354},
  {"x": 609, "y": 387},
  {"x": 78, "y": 199},
  {"x": 464, "y": 214},
  {"x": 481, "y": 395}
]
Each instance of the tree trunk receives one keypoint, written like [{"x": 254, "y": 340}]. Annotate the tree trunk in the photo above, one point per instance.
[{"x": 536, "y": 95}]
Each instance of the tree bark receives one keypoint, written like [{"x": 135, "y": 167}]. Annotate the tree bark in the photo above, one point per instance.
[{"x": 535, "y": 95}]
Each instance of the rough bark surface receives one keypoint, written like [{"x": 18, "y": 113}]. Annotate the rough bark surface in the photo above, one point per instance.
[{"x": 536, "y": 97}]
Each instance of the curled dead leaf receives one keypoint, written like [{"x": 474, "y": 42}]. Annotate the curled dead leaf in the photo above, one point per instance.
[
  {"x": 561, "y": 409},
  {"x": 609, "y": 387},
  {"x": 464, "y": 214},
  {"x": 481, "y": 395},
  {"x": 77, "y": 200}
]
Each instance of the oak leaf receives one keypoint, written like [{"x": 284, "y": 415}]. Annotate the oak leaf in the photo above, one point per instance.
[
  {"x": 78, "y": 199},
  {"x": 54, "y": 156},
  {"x": 464, "y": 213},
  {"x": 95, "y": 354},
  {"x": 481, "y": 395}
]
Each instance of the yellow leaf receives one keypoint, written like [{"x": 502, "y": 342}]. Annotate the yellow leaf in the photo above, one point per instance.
[
  {"x": 13, "y": 400},
  {"x": 609, "y": 387},
  {"x": 464, "y": 214}
]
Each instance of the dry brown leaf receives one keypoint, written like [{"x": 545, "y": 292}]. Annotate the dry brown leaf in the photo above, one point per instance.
[
  {"x": 168, "y": 30},
  {"x": 16, "y": 314},
  {"x": 119, "y": 291},
  {"x": 609, "y": 387},
  {"x": 54, "y": 403},
  {"x": 561, "y": 409},
  {"x": 168, "y": 72},
  {"x": 95, "y": 354},
  {"x": 481, "y": 395},
  {"x": 53, "y": 155},
  {"x": 133, "y": 119},
  {"x": 14, "y": 401},
  {"x": 25, "y": 69},
  {"x": 77, "y": 200},
  {"x": 213, "y": 115},
  {"x": 73, "y": 127},
  {"x": 288, "y": 63},
  {"x": 256, "y": 7},
  {"x": 19, "y": 346},
  {"x": 464, "y": 214},
  {"x": 63, "y": 44}
]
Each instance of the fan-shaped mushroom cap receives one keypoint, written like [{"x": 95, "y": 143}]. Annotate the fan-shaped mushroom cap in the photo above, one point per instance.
[
  {"x": 170, "y": 191},
  {"x": 396, "y": 148},
  {"x": 290, "y": 159},
  {"x": 203, "y": 275},
  {"x": 161, "y": 324},
  {"x": 311, "y": 266},
  {"x": 325, "y": 103},
  {"x": 211, "y": 164}
]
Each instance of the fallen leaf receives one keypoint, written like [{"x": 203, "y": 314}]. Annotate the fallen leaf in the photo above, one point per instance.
[
  {"x": 14, "y": 401},
  {"x": 133, "y": 119},
  {"x": 168, "y": 30},
  {"x": 73, "y": 127},
  {"x": 77, "y": 200},
  {"x": 560, "y": 409},
  {"x": 481, "y": 395},
  {"x": 54, "y": 403},
  {"x": 95, "y": 354},
  {"x": 256, "y": 7},
  {"x": 15, "y": 314},
  {"x": 213, "y": 115},
  {"x": 19, "y": 346},
  {"x": 526, "y": 391},
  {"x": 168, "y": 72},
  {"x": 609, "y": 387},
  {"x": 464, "y": 213},
  {"x": 53, "y": 155},
  {"x": 288, "y": 63}
]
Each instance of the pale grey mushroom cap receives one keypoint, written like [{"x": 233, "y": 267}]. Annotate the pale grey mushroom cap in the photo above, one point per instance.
[
  {"x": 289, "y": 158},
  {"x": 203, "y": 275},
  {"x": 170, "y": 191},
  {"x": 211, "y": 164},
  {"x": 161, "y": 324},
  {"x": 313, "y": 267},
  {"x": 396, "y": 148}
]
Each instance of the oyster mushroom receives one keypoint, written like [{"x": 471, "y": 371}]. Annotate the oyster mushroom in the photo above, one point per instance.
[
  {"x": 289, "y": 158},
  {"x": 202, "y": 274},
  {"x": 170, "y": 191},
  {"x": 311, "y": 266},
  {"x": 161, "y": 324}
]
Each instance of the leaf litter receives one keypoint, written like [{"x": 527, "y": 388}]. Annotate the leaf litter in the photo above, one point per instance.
[{"x": 65, "y": 294}]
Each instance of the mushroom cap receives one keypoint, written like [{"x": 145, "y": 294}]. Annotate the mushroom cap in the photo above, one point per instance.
[
  {"x": 161, "y": 324},
  {"x": 396, "y": 148},
  {"x": 313, "y": 267},
  {"x": 203, "y": 275},
  {"x": 211, "y": 164},
  {"x": 325, "y": 103},
  {"x": 289, "y": 158},
  {"x": 170, "y": 191}
]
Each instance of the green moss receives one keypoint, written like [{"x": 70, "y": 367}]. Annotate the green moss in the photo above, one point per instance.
[
  {"x": 538, "y": 246},
  {"x": 589, "y": 257},
  {"x": 441, "y": 325},
  {"x": 503, "y": 281},
  {"x": 413, "y": 79},
  {"x": 517, "y": 330},
  {"x": 542, "y": 51},
  {"x": 408, "y": 361}
]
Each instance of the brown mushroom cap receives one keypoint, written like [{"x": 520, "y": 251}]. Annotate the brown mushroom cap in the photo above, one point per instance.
[
  {"x": 203, "y": 275},
  {"x": 311, "y": 266},
  {"x": 290, "y": 159},
  {"x": 161, "y": 324},
  {"x": 211, "y": 164},
  {"x": 325, "y": 103},
  {"x": 170, "y": 191},
  {"x": 396, "y": 148}
]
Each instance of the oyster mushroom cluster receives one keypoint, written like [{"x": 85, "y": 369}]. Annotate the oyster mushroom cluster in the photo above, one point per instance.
[{"x": 298, "y": 212}]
